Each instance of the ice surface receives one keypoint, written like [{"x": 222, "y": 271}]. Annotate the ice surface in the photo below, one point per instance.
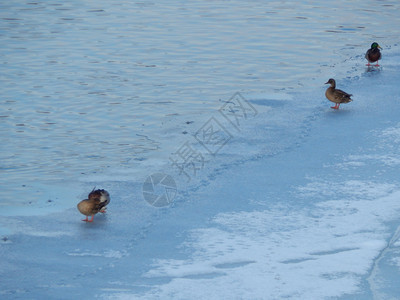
[
  {"x": 296, "y": 227},
  {"x": 302, "y": 202}
]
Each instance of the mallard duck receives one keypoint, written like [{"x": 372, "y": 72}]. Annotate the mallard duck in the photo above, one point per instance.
[
  {"x": 97, "y": 202},
  {"x": 373, "y": 54},
  {"x": 335, "y": 95}
]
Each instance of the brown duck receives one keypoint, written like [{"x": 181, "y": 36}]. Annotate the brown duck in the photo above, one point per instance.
[
  {"x": 97, "y": 202},
  {"x": 373, "y": 54},
  {"x": 335, "y": 95}
]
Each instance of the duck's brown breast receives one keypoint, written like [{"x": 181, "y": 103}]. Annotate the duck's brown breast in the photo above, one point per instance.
[
  {"x": 86, "y": 207},
  {"x": 373, "y": 55},
  {"x": 331, "y": 95}
]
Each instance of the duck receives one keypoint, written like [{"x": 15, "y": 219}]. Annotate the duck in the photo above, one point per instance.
[
  {"x": 97, "y": 202},
  {"x": 373, "y": 54},
  {"x": 335, "y": 95}
]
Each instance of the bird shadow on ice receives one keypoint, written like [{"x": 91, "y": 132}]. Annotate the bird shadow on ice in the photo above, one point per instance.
[
  {"x": 372, "y": 71},
  {"x": 342, "y": 112},
  {"x": 270, "y": 102},
  {"x": 99, "y": 224}
]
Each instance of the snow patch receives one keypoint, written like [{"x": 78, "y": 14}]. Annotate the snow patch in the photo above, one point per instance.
[
  {"x": 350, "y": 188},
  {"x": 107, "y": 253},
  {"x": 338, "y": 240}
]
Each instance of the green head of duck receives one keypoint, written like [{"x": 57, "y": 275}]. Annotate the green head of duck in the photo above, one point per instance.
[{"x": 375, "y": 45}]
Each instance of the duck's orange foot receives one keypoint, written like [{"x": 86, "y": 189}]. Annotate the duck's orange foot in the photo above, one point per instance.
[
  {"x": 335, "y": 107},
  {"x": 377, "y": 65},
  {"x": 368, "y": 64},
  {"x": 87, "y": 219}
]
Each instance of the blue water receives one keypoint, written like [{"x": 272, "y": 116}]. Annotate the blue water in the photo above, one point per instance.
[{"x": 97, "y": 88}]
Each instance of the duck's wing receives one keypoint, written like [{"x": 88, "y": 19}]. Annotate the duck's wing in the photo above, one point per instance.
[
  {"x": 103, "y": 195},
  {"x": 367, "y": 54},
  {"x": 98, "y": 205},
  {"x": 342, "y": 95},
  {"x": 94, "y": 194},
  {"x": 100, "y": 197}
]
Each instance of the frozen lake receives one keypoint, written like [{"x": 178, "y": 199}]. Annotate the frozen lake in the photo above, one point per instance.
[{"x": 100, "y": 94}]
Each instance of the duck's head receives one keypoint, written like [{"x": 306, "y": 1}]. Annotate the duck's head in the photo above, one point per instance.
[
  {"x": 375, "y": 45},
  {"x": 331, "y": 81}
]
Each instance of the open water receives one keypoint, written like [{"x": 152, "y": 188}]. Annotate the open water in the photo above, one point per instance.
[{"x": 104, "y": 88}]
